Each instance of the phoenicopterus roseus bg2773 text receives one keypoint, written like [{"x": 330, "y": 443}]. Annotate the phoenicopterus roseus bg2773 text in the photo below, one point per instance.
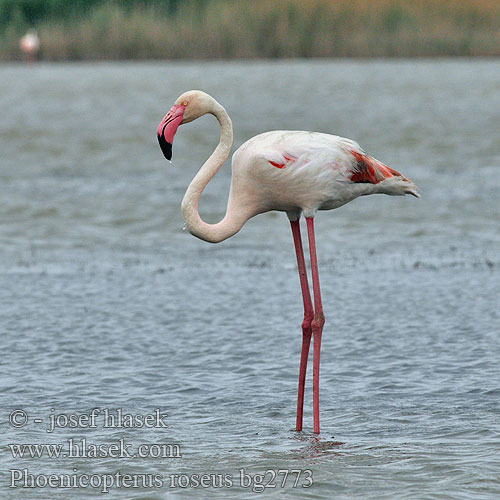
[{"x": 291, "y": 171}]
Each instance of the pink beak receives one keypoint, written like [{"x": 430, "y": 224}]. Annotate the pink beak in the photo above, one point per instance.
[{"x": 167, "y": 129}]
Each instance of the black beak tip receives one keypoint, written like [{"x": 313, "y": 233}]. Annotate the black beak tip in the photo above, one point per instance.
[{"x": 166, "y": 147}]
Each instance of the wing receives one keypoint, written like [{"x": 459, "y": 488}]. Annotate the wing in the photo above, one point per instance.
[{"x": 284, "y": 148}]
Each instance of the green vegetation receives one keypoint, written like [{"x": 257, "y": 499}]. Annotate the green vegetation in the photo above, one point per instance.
[{"x": 158, "y": 29}]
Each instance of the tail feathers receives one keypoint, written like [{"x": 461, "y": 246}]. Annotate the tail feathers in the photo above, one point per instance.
[{"x": 397, "y": 186}]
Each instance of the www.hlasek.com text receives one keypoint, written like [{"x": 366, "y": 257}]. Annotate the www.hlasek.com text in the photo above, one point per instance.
[{"x": 81, "y": 448}]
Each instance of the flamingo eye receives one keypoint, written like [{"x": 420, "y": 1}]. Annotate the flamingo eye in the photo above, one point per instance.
[{"x": 185, "y": 103}]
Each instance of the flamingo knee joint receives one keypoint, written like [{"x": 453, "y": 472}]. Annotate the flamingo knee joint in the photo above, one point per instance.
[{"x": 318, "y": 321}]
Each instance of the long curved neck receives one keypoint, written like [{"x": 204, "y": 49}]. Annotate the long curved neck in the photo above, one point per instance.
[{"x": 231, "y": 223}]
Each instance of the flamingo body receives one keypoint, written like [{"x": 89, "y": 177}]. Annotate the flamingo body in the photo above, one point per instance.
[
  {"x": 291, "y": 171},
  {"x": 297, "y": 171}
]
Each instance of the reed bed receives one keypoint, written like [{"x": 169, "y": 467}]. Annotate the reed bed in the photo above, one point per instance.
[{"x": 271, "y": 29}]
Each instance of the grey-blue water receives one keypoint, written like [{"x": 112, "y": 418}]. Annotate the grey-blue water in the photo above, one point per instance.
[{"x": 107, "y": 304}]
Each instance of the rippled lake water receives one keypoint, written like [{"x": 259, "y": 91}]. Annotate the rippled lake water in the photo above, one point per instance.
[{"x": 106, "y": 303}]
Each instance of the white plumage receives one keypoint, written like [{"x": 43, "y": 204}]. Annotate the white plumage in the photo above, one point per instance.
[{"x": 297, "y": 171}]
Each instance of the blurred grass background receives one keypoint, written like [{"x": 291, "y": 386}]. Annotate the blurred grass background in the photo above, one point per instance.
[{"x": 199, "y": 29}]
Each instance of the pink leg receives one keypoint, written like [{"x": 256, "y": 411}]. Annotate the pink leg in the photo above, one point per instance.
[
  {"x": 306, "y": 324},
  {"x": 317, "y": 322}
]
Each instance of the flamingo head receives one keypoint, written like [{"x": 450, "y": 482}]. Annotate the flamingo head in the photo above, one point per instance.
[{"x": 187, "y": 107}]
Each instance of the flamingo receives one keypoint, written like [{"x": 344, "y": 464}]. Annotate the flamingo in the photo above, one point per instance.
[
  {"x": 295, "y": 172},
  {"x": 30, "y": 45}
]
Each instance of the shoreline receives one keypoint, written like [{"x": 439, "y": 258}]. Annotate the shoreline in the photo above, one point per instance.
[{"x": 284, "y": 60}]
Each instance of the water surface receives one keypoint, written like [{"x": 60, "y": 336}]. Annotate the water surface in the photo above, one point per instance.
[{"x": 106, "y": 303}]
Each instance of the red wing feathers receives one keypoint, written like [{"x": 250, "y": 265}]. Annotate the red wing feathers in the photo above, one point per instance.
[
  {"x": 282, "y": 164},
  {"x": 370, "y": 170}
]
